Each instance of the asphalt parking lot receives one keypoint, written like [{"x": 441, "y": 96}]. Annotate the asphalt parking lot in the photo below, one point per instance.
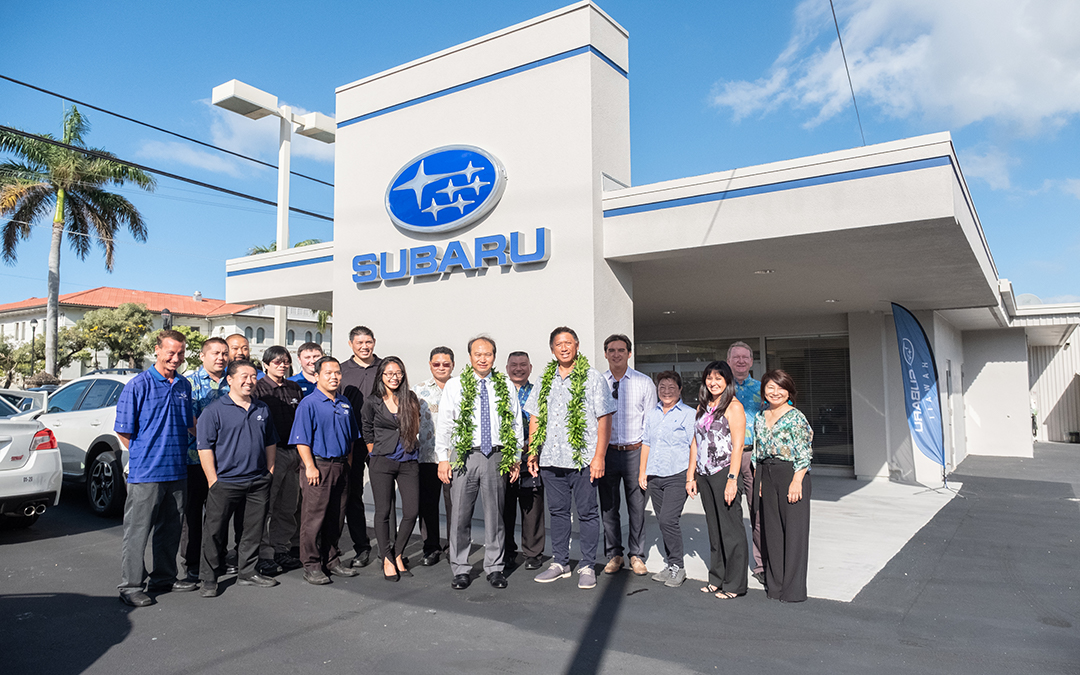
[{"x": 990, "y": 585}]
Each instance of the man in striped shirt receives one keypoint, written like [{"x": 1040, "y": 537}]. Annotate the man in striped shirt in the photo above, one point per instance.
[{"x": 635, "y": 394}]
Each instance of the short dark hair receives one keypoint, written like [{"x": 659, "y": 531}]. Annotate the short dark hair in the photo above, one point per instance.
[
  {"x": 361, "y": 330},
  {"x": 442, "y": 350},
  {"x": 307, "y": 347},
  {"x": 324, "y": 360},
  {"x": 213, "y": 341},
  {"x": 518, "y": 353},
  {"x": 274, "y": 353},
  {"x": 559, "y": 331},
  {"x": 670, "y": 375},
  {"x": 170, "y": 335},
  {"x": 782, "y": 380},
  {"x": 619, "y": 337},
  {"x": 484, "y": 338},
  {"x": 237, "y": 365}
]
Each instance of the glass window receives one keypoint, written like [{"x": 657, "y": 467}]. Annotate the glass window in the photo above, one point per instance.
[
  {"x": 689, "y": 359},
  {"x": 307, "y": 336},
  {"x": 100, "y": 394},
  {"x": 318, "y": 338},
  {"x": 260, "y": 336},
  {"x": 248, "y": 333},
  {"x": 65, "y": 399},
  {"x": 821, "y": 369},
  {"x": 290, "y": 337}
]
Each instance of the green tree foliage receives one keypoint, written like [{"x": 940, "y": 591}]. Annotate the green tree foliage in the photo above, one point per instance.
[
  {"x": 27, "y": 361},
  {"x": 193, "y": 346},
  {"x": 42, "y": 180},
  {"x": 121, "y": 331},
  {"x": 256, "y": 250}
]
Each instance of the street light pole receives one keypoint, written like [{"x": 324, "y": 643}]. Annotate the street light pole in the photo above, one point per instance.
[
  {"x": 33, "y": 350},
  {"x": 255, "y": 104}
]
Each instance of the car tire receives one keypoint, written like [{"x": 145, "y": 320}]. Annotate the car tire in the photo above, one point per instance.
[
  {"x": 105, "y": 489},
  {"x": 17, "y": 522}
]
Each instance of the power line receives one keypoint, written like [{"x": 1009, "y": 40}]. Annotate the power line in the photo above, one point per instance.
[
  {"x": 156, "y": 128},
  {"x": 848, "y": 71},
  {"x": 143, "y": 167}
]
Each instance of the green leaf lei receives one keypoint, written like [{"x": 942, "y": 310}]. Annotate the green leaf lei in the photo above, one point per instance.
[
  {"x": 464, "y": 427},
  {"x": 575, "y": 411}
]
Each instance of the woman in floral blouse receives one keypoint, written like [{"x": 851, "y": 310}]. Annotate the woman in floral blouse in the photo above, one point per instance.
[
  {"x": 715, "y": 458},
  {"x": 782, "y": 452}
]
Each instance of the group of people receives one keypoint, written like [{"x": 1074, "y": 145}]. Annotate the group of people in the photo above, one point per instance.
[{"x": 283, "y": 459}]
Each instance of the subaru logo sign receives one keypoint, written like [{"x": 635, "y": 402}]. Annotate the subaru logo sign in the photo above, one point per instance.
[{"x": 445, "y": 189}]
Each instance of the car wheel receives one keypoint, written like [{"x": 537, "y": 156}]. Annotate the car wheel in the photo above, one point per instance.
[
  {"x": 13, "y": 522},
  {"x": 105, "y": 484}
]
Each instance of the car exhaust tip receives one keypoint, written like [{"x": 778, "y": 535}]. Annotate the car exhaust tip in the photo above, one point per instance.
[
  {"x": 39, "y": 509},
  {"x": 29, "y": 510}
]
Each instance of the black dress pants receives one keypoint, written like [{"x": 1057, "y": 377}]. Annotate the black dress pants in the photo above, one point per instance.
[
  {"x": 222, "y": 502},
  {"x": 727, "y": 538},
  {"x": 191, "y": 535},
  {"x": 430, "y": 489},
  {"x": 785, "y": 530},
  {"x": 530, "y": 500},
  {"x": 355, "y": 515},
  {"x": 384, "y": 472}
]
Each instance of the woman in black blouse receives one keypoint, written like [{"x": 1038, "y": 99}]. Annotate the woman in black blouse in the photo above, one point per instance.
[{"x": 391, "y": 425}]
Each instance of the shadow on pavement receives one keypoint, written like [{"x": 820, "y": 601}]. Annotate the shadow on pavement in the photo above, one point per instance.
[
  {"x": 597, "y": 632},
  {"x": 71, "y": 516},
  {"x": 61, "y": 632}
]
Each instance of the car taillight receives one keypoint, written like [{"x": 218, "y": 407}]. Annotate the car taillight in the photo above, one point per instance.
[{"x": 43, "y": 440}]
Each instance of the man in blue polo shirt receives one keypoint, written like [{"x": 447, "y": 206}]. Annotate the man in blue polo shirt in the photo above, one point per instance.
[
  {"x": 153, "y": 419},
  {"x": 740, "y": 356},
  {"x": 237, "y": 444},
  {"x": 325, "y": 433},
  {"x": 307, "y": 354}
]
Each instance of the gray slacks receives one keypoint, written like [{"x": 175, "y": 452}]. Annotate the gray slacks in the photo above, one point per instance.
[
  {"x": 156, "y": 508},
  {"x": 480, "y": 477}
]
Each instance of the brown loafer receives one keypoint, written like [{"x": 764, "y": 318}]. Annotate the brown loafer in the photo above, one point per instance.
[
  {"x": 613, "y": 565},
  {"x": 638, "y": 565}
]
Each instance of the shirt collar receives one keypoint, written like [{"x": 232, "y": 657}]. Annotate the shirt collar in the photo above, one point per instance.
[
  {"x": 679, "y": 405},
  {"x": 154, "y": 373}
]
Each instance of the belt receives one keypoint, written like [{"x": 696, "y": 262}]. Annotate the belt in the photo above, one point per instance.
[
  {"x": 494, "y": 448},
  {"x": 625, "y": 448},
  {"x": 332, "y": 460}
]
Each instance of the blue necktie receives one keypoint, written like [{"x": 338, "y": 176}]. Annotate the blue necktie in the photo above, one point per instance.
[{"x": 485, "y": 421}]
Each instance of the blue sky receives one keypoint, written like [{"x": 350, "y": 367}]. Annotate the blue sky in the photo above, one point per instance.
[{"x": 715, "y": 84}]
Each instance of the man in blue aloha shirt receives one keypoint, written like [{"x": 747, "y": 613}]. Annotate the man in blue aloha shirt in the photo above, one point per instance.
[
  {"x": 740, "y": 356},
  {"x": 207, "y": 384}
]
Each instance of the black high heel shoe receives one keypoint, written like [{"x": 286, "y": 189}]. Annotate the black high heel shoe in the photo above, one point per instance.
[{"x": 391, "y": 577}]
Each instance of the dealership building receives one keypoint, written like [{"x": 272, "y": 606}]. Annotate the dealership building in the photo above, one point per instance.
[{"x": 487, "y": 189}]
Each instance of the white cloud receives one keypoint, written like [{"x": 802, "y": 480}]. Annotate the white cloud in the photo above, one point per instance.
[
  {"x": 991, "y": 166},
  {"x": 259, "y": 138},
  {"x": 1071, "y": 186},
  {"x": 188, "y": 155},
  {"x": 955, "y": 61}
]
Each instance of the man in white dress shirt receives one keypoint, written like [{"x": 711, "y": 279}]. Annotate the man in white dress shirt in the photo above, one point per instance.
[
  {"x": 635, "y": 394},
  {"x": 480, "y": 473}
]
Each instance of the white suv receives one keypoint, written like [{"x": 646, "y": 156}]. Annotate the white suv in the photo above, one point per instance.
[{"x": 81, "y": 414}]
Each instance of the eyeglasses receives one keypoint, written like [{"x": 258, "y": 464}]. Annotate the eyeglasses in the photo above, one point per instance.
[
  {"x": 279, "y": 362},
  {"x": 392, "y": 376},
  {"x": 615, "y": 391}
]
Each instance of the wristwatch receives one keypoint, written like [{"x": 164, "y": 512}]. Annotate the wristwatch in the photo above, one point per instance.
[{"x": 731, "y": 476}]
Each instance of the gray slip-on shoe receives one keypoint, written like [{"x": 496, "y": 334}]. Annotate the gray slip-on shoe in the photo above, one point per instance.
[
  {"x": 662, "y": 575},
  {"x": 553, "y": 572},
  {"x": 586, "y": 577}
]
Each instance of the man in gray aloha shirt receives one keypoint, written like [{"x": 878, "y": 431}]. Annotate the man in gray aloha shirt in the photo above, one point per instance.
[{"x": 565, "y": 481}]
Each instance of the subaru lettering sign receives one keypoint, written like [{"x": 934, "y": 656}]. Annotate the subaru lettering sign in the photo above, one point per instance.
[{"x": 445, "y": 189}]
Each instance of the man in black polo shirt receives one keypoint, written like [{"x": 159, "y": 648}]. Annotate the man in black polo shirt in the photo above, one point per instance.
[
  {"x": 282, "y": 396},
  {"x": 357, "y": 383},
  {"x": 237, "y": 444},
  {"x": 327, "y": 435}
]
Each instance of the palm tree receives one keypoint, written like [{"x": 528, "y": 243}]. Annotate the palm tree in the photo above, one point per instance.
[
  {"x": 272, "y": 246},
  {"x": 70, "y": 184}
]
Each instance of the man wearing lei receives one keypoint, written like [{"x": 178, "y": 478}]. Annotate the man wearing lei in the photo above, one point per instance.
[
  {"x": 568, "y": 438},
  {"x": 477, "y": 442}
]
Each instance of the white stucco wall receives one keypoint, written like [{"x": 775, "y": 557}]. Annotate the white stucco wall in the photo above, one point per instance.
[{"x": 998, "y": 408}]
